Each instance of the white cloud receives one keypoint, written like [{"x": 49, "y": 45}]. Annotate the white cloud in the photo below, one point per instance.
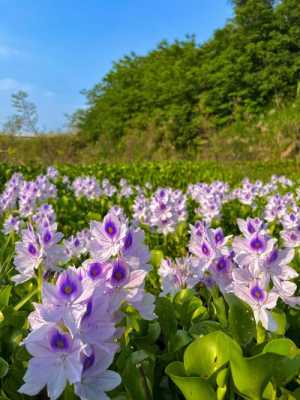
[
  {"x": 6, "y": 51},
  {"x": 10, "y": 85}
]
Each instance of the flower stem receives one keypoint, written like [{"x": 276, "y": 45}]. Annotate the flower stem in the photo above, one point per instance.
[
  {"x": 145, "y": 383},
  {"x": 26, "y": 299},
  {"x": 40, "y": 282}
]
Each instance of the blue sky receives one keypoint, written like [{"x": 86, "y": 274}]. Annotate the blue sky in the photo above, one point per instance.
[{"x": 55, "y": 48}]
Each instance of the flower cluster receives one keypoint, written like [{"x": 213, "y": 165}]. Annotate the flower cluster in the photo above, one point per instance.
[
  {"x": 253, "y": 267},
  {"x": 163, "y": 211},
  {"x": 86, "y": 187},
  {"x": 74, "y": 331},
  {"x": 210, "y": 198}
]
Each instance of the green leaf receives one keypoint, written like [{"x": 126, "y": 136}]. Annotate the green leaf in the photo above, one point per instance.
[
  {"x": 204, "y": 328},
  {"x": 3, "y": 367},
  {"x": 209, "y": 353},
  {"x": 4, "y": 296},
  {"x": 138, "y": 375},
  {"x": 289, "y": 366},
  {"x": 251, "y": 375},
  {"x": 282, "y": 346},
  {"x": 193, "y": 388},
  {"x": 188, "y": 306},
  {"x": 221, "y": 310},
  {"x": 269, "y": 392},
  {"x": 241, "y": 321},
  {"x": 180, "y": 340},
  {"x": 166, "y": 316},
  {"x": 280, "y": 318}
]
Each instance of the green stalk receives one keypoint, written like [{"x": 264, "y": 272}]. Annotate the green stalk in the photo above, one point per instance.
[
  {"x": 26, "y": 299},
  {"x": 145, "y": 383},
  {"x": 40, "y": 282}
]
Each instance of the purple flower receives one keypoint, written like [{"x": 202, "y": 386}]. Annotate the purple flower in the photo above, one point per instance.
[
  {"x": 29, "y": 255},
  {"x": 97, "y": 325},
  {"x": 11, "y": 224},
  {"x": 56, "y": 362},
  {"x": 107, "y": 238},
  {"x": 177, "y": 275},
  {"x": 252, "y": 250},
  {"x": 261, "y": 301},
  {"x": 66, "y": 301},
  {"x": 96, "y": 378},
  {"x": 69, "y": 285},
  {"x": 119, "y": 274},
  {"x": 250, "y": 226}
]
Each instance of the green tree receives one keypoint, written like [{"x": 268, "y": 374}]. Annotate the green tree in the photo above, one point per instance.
[{"x": 241, "y": 70}]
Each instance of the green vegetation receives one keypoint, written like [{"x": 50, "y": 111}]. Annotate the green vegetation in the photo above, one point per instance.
[
  {"x": 205, "y": 342},
  {"x": 172, "y": 173},
  {"x": 270, "y": 137},
  {"x": 179, "y": 92},
  {"x": 234, "y": 97}
]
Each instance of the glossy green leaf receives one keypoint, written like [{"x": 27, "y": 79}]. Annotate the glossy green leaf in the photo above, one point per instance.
[
  {"x": 241, "y": 320},
  {"x": 180, "y": 340},
  {"x": 204, "y": 328},
  {"x": 289, "y": 366},
  {"x": 193, "y": 388},
  {"x": 251, "y": 375},
  {"x": 209, "y": 353}
]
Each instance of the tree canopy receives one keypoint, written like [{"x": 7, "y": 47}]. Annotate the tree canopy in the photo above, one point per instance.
[{"x": 251, "y": 62}]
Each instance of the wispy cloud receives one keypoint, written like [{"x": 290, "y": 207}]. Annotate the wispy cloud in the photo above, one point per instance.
[
  {"x": 10, "y": 85},
  {"x": 7, "y": 51}
]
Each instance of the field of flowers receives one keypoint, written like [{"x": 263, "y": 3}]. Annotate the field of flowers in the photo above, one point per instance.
[{"x": 149, "y": 283}]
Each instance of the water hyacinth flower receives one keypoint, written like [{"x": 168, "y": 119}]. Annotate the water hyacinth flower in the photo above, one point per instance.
[
  {"x": 134, "y": 249},
  {"x": 73, "y": 328},
  {"x": 251, "y": 226},
  {"x": 291, "y": 237},
  {"x": 252, "y": 250},
  {"x": 97, "y": 322},
  {"x": 38, "y": 247},
  {"x": 11, "y": 224},
  {"x": 56, "y": 361},
  {"x": 52, "y": 173},
  {"x": 260, "y": 300},
  {"x": 141, "y": 209},
  {"x": 29, "y": 255},
  {"x": 207, "y": 244},
  {"x": 96, "y": 378},
  {"x": 127, "y": 284},
  {"x": 107, "y": 237},
  {"x": 177, "y": 275},
  {"x": 66, "y": 300},
  {"x": 78, "y": 244},
  {"x": 87, "y": 187},
  {"x": 221, "y": 272},
  {"x": 108, "y": 189},
  {"x": 10, "y": 194}
]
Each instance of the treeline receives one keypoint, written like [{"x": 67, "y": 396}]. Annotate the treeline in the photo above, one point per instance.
[{"x": 182, "y": 88}]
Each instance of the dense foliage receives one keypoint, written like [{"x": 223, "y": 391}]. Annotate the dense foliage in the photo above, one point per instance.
[
  {"x": 183, "y": 87},
  {"x": 129, "y": 288}
]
